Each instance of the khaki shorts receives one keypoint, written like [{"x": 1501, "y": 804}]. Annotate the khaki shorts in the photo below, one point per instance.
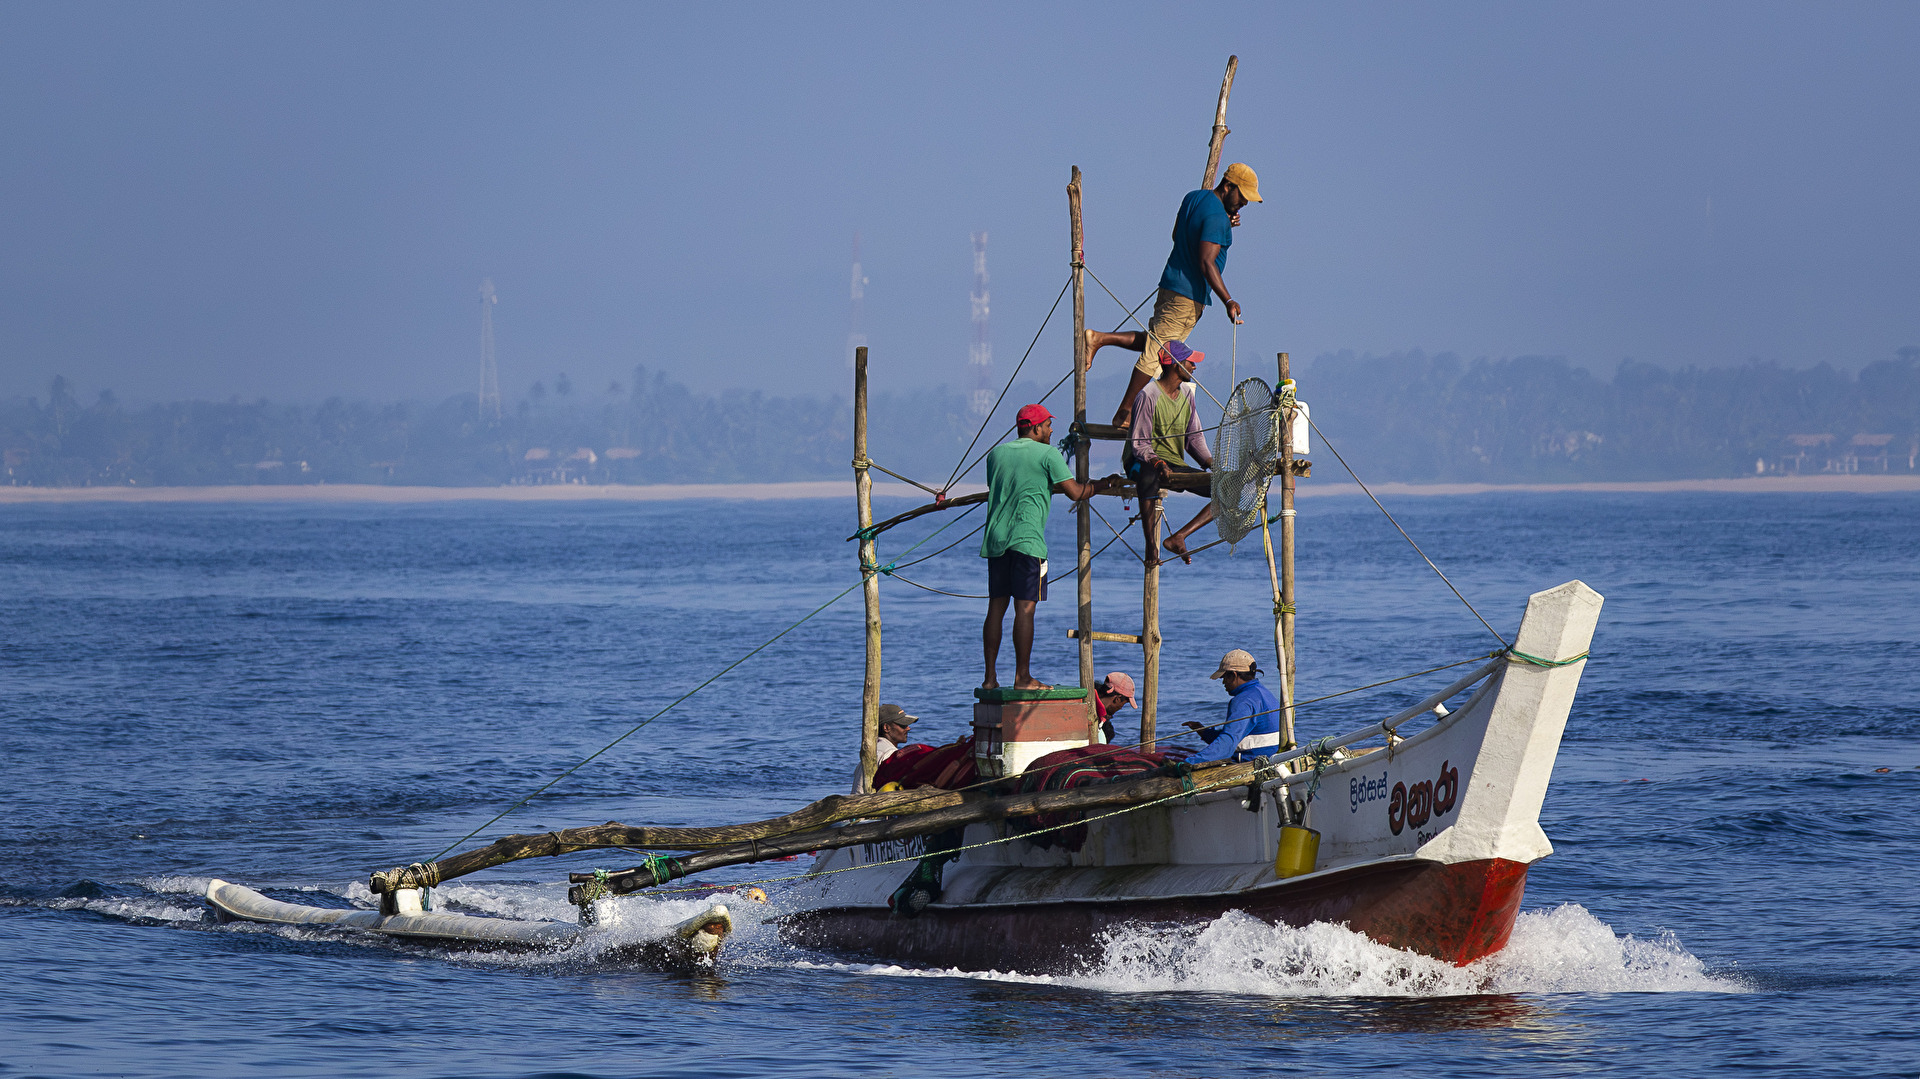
[{"x": 1173, "y": 319}]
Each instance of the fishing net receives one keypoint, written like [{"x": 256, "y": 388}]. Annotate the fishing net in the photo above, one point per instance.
[{"x": 1246, "y": 456}]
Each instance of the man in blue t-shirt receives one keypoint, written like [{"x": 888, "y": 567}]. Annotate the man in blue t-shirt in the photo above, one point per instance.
[{"x": 1202, "y": 232}]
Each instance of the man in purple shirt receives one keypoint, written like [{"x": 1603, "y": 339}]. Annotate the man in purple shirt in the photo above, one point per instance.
[{"x": 1166, "y": 427}]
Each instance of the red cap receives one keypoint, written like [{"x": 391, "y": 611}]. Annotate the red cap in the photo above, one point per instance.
[
  {"x": 1033, "y": 415},
  {"x": 1122, "y": 683}
]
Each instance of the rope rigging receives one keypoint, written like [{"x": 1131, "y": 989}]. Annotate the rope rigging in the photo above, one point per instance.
[
  {"x": 1403, "y": 532},
  {"x": 715, "y": 677}
]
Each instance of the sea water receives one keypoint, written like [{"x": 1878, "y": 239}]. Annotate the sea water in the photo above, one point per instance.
[{"x": 289, "y": 696}]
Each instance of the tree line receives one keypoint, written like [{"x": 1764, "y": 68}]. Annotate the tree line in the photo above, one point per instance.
[
  {"x": 1406, "y": 416},
  {"x": 1414, "y": 417}
]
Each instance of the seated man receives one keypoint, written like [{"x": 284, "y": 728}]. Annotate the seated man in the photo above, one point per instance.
[
  {"x": 895, "y": 727},
  {"x": 1253, "y": 714},
  {"x": 1110, "y": 694},
  {"x": 1166, "y": 427}
]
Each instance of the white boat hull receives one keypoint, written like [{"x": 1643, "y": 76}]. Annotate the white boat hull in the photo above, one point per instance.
[{"x": 1423, "y": 846}]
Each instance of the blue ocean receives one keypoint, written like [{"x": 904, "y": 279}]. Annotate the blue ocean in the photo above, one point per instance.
[{"x": 291, "y": 695}]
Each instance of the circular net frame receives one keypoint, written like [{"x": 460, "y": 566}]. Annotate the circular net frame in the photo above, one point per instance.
[{"x": 1246, "y": 456}]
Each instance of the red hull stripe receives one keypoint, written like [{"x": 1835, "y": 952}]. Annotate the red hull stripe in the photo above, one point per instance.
[{"x": 1458, "y": 912}]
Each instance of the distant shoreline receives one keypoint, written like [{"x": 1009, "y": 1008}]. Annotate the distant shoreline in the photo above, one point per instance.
[{"x": 814, "y": 489}]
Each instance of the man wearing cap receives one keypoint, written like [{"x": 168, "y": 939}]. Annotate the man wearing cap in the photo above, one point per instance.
[
  {"x": 1022, "y": 476},
  {"x": 1202, "y": 232},
  {"x": 1110, "y": 694},
  {"x": 1252, "y": 728},
  {"x": 1166, "y": 427},
  {"x": 895, "y": 727}
]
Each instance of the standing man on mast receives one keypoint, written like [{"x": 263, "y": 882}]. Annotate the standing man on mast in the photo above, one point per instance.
[
  {"x": 1022, "y": 476},
  {"x": 1202, "y": 232}
]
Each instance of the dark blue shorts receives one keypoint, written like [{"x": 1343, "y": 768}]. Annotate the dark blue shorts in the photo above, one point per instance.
[{"x": 1017, "y": 576}]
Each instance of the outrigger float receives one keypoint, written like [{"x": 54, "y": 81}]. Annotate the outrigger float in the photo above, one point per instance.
[
  {"x": 1417, "y": 830},
  {"x": 691, "y": 943}
]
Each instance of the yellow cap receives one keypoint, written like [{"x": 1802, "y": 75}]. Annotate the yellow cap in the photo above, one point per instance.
[{"x": 1243, "y": 178}]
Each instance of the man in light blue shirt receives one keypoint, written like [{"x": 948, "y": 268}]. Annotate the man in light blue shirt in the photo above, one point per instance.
[
  {"x": 1202, "y": 232},
  {"x": 1253, "y": 714}
]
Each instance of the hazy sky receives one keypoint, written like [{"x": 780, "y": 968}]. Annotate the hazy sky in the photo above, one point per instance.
[{"x": 300, "y": 200}]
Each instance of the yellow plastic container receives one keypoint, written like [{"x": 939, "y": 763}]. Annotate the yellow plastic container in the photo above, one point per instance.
[{"x": 1299, "y": 851}]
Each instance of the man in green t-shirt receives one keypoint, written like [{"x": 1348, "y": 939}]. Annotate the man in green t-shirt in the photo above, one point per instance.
[{"x": 1022, "y": 476}]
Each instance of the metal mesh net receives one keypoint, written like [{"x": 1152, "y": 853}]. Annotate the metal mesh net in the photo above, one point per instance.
[{"x": 1246, "y": 456}]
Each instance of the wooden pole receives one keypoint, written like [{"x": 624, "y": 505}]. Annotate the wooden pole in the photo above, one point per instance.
[
  {"x": 1286, "y": 557},
  {"x": 1150, "y": 633},
  {"x": 1282, "y": 661},
  {"x": 869, "y": 558},
  {"x": 1150, "y": 512},
  {"x": 1219, "y": 124},
  {"x": 973, "y": 806},
  {"x": 1083, "y": 511}
]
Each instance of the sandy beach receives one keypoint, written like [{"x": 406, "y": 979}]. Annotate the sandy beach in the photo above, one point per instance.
[{"x": 368, "y": 492}]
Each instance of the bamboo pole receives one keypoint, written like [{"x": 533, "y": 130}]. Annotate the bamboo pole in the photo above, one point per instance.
[
  {"x": 1152, "y": 512},
  {"x": 1150, "y": 632},
  {"x": 973, "y": 806},
  {"x": 1219, "y": 124},
  {"x": 1286, "y": 557},
  {"x": 869, "y": 558},
  {"x": 1282, "y": 661},
  {"x": 1083, "y": 510}
]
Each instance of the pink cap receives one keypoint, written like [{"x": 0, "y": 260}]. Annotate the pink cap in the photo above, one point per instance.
[
  {"x": 1122, "y": 683},
  {"x": 1033, "y": 415},
  {"x": 1178, "y": 352}
]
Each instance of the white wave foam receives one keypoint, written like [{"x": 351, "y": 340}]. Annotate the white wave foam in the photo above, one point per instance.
[
  {"x": 139, "y": 909},
  {"x": 1565, "y": 950}
]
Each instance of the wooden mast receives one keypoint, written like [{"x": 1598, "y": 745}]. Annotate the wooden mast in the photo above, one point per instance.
[
  {"x": 1286, "y": 558},
  {"x": 1219, "y": 124},
  {"x": 1083, "y": 510},
  {"x": 869, "y": 558},
  {"x": 1150, "y": 587}
]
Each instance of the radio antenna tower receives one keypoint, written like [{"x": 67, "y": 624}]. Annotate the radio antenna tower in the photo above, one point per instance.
[
  {"x": 980, "y": 351},
  {"x": 489, "y": 370},
  {"x": 856, "y": 335}
]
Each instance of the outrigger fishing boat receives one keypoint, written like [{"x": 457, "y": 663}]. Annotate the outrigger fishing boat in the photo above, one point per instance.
[{"x": 1035, "y": 839}]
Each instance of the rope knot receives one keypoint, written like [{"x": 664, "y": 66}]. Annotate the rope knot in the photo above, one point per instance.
[{"x": 1517, "y": 656}]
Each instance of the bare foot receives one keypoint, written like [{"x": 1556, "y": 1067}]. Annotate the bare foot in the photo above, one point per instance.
[
  {"x": 1123, "y": 418},
  {"x": 991, "y": 683},
  {"x": 1031, "y": 682},
  {"x": 1092, "y": 338},
  {"x": 1178, "y": 546}
]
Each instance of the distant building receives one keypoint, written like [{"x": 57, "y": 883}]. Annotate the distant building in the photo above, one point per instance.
[{"x": 1810, "y": 454}]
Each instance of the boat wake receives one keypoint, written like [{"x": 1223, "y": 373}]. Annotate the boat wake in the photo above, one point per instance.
[
  {"x": 627, "y": 922},
  {"x": 1564, "y": 950}
]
